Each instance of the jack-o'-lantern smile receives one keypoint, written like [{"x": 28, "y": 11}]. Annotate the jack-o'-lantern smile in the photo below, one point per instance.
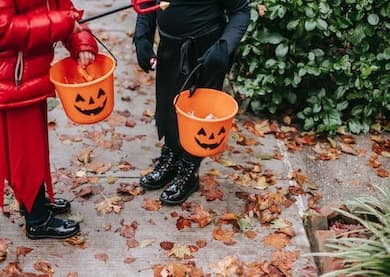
[
  {"x": 89, "y": 105},
  {"x": 210, "y": 141}
]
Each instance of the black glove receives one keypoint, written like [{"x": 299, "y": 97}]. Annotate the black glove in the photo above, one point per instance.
[
  {"x": 216, "y": 58},
  {"x": 144, "y": 50}
]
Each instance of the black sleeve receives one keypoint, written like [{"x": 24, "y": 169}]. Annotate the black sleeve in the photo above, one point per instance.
[
  {"x": 238, "y": 20},
  {"x": 145, "y": 27}
]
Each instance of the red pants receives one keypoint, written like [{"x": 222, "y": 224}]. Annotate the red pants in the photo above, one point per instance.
[{"x": 24, "y": 152}]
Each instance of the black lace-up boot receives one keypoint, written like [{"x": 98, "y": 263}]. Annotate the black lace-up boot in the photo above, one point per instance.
[
  {"x": 183, "y": 185},
  {"x": 164, "y": 170}
]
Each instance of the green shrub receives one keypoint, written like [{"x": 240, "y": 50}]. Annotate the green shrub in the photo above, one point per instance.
[{"x": 328, "y": 61}]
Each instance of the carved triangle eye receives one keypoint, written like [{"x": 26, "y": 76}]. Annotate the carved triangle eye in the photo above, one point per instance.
[
  {"x": 222, "y": 131},
  {"x": 101, "y": 93},
  {"x": 201, "y": 132},
  {"x": 79, "y": 98}
]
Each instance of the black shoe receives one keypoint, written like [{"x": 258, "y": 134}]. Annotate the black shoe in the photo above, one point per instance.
[
  {"x": 59, "y": 206},
  {"x": 53, "y": 228},
  {"x": 183, "y": 185},
  {"x": 164, "y": 170}
]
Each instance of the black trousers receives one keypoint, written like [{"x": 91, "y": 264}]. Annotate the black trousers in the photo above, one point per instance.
[
  {"x": 39, "y": 212},
  {"x": 174, "y": 65}
]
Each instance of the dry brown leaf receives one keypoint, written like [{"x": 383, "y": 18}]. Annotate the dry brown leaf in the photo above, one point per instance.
[
  {"x": 284, "y": 261},
  {"x": 77, "y": 241},
  {"x": 201, "y": 243},
  {"x": 132, "y": 243},
  {"x": 226, "y": 236},
  {"x": 129, "y": 260},
  {"x": 182, "y": 222},
  {"x": 99, "y": 167},
  {"x": 152, "y": 205},
  {"x": 109, "y": 204},
  {"x": 226, "y": 267},
  {"x": 298, "y": 176},
  {"x": 167, "y": 245},
  {"x": 85, "y": 192},
  {"x": 4, "y": 243},
  {"x": 44, "y": 267},
  {"x": 209, "y": 188},
  {"x": 277, "y": 240},
  {"x": 101, "y": 257},
  {"x": 346, "y": 148},
  {"x": 84, "y": 156},
  {"x": 383, "y": 173},
  {"x": 23, "y": 251},
  {"x": 200, "y": 216}
]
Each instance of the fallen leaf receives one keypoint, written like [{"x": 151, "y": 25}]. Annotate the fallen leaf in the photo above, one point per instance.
[
  {"x": 346, "y": 148},
  {"x": 99, "y": 167},
  {"x": 284, "y": 261},
  {"x": 201, "y": 243},
  {"x": 132, "y": 243},
  {"x": 182, "y": 222},
  {"x": 225, "y": 236},
  {"x": 180, "y": 251},
  {"x": 4, "y": 243},
  {"x": 146, "y": 242},
  {"x": 101, "y": 257},
  {"x": 129, "y": 260},
  {"x": 200, "y": 216},
  {"x": 78, "y": 241},
  {"x": 277, "y": 240},
  {"x": 381, "y": 172},
  {"x": 226, "y": 267},
  {"x": 109, "y": 204},
  {"x": 23, "y": 251},
  {"x": 167, "y": 245},
  {"x": 152, "y": 205},
  {"x": 44, "y": 267}
]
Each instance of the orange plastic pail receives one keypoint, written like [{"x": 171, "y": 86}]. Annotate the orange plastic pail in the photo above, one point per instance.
[
  {"x": 205, "y": 120},
  {"x": 87, "y": 95}
]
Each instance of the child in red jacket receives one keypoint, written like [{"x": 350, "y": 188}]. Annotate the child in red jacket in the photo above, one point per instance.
[{"x": 28, "y": 33}]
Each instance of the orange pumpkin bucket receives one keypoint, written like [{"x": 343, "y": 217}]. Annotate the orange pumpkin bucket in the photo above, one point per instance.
[
  {"x": 205, "y": 120},
  {"x": 87, "y": 95}
]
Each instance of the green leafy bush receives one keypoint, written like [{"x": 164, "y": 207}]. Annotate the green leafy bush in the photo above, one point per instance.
[{"x": 328, "y": 61}]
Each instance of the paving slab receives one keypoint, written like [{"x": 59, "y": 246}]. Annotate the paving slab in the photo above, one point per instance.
[{"x": 114, "y": 142}]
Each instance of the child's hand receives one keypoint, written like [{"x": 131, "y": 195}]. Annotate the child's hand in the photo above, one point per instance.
[{"x": 85, "y": 58}]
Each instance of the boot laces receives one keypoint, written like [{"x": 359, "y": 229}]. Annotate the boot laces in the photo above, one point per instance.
[
  {"x": 186, "y": 170},
  {"x": 166, "y": 159}
]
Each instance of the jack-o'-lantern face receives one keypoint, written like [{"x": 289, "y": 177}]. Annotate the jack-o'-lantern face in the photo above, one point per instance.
[
  {"x": 211, "y": 140},
  {"x": 89, "y": 104}
]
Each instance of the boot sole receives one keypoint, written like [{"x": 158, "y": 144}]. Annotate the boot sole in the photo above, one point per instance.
[
  {"x": 169, "y": 178},
  {"x": 179, "y": 202},
  {"x": 37, "y": 237}
]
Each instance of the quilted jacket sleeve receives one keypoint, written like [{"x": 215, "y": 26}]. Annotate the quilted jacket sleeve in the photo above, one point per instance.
[
  {"x": 81, "y": 41},
  {"x": 32, "y": 30}
]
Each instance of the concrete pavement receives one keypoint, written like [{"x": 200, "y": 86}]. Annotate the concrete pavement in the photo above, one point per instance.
[{"x": 121, "y": 148}]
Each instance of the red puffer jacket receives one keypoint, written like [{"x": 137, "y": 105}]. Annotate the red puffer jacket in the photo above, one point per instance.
[{"x": 28, "y": 32}]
